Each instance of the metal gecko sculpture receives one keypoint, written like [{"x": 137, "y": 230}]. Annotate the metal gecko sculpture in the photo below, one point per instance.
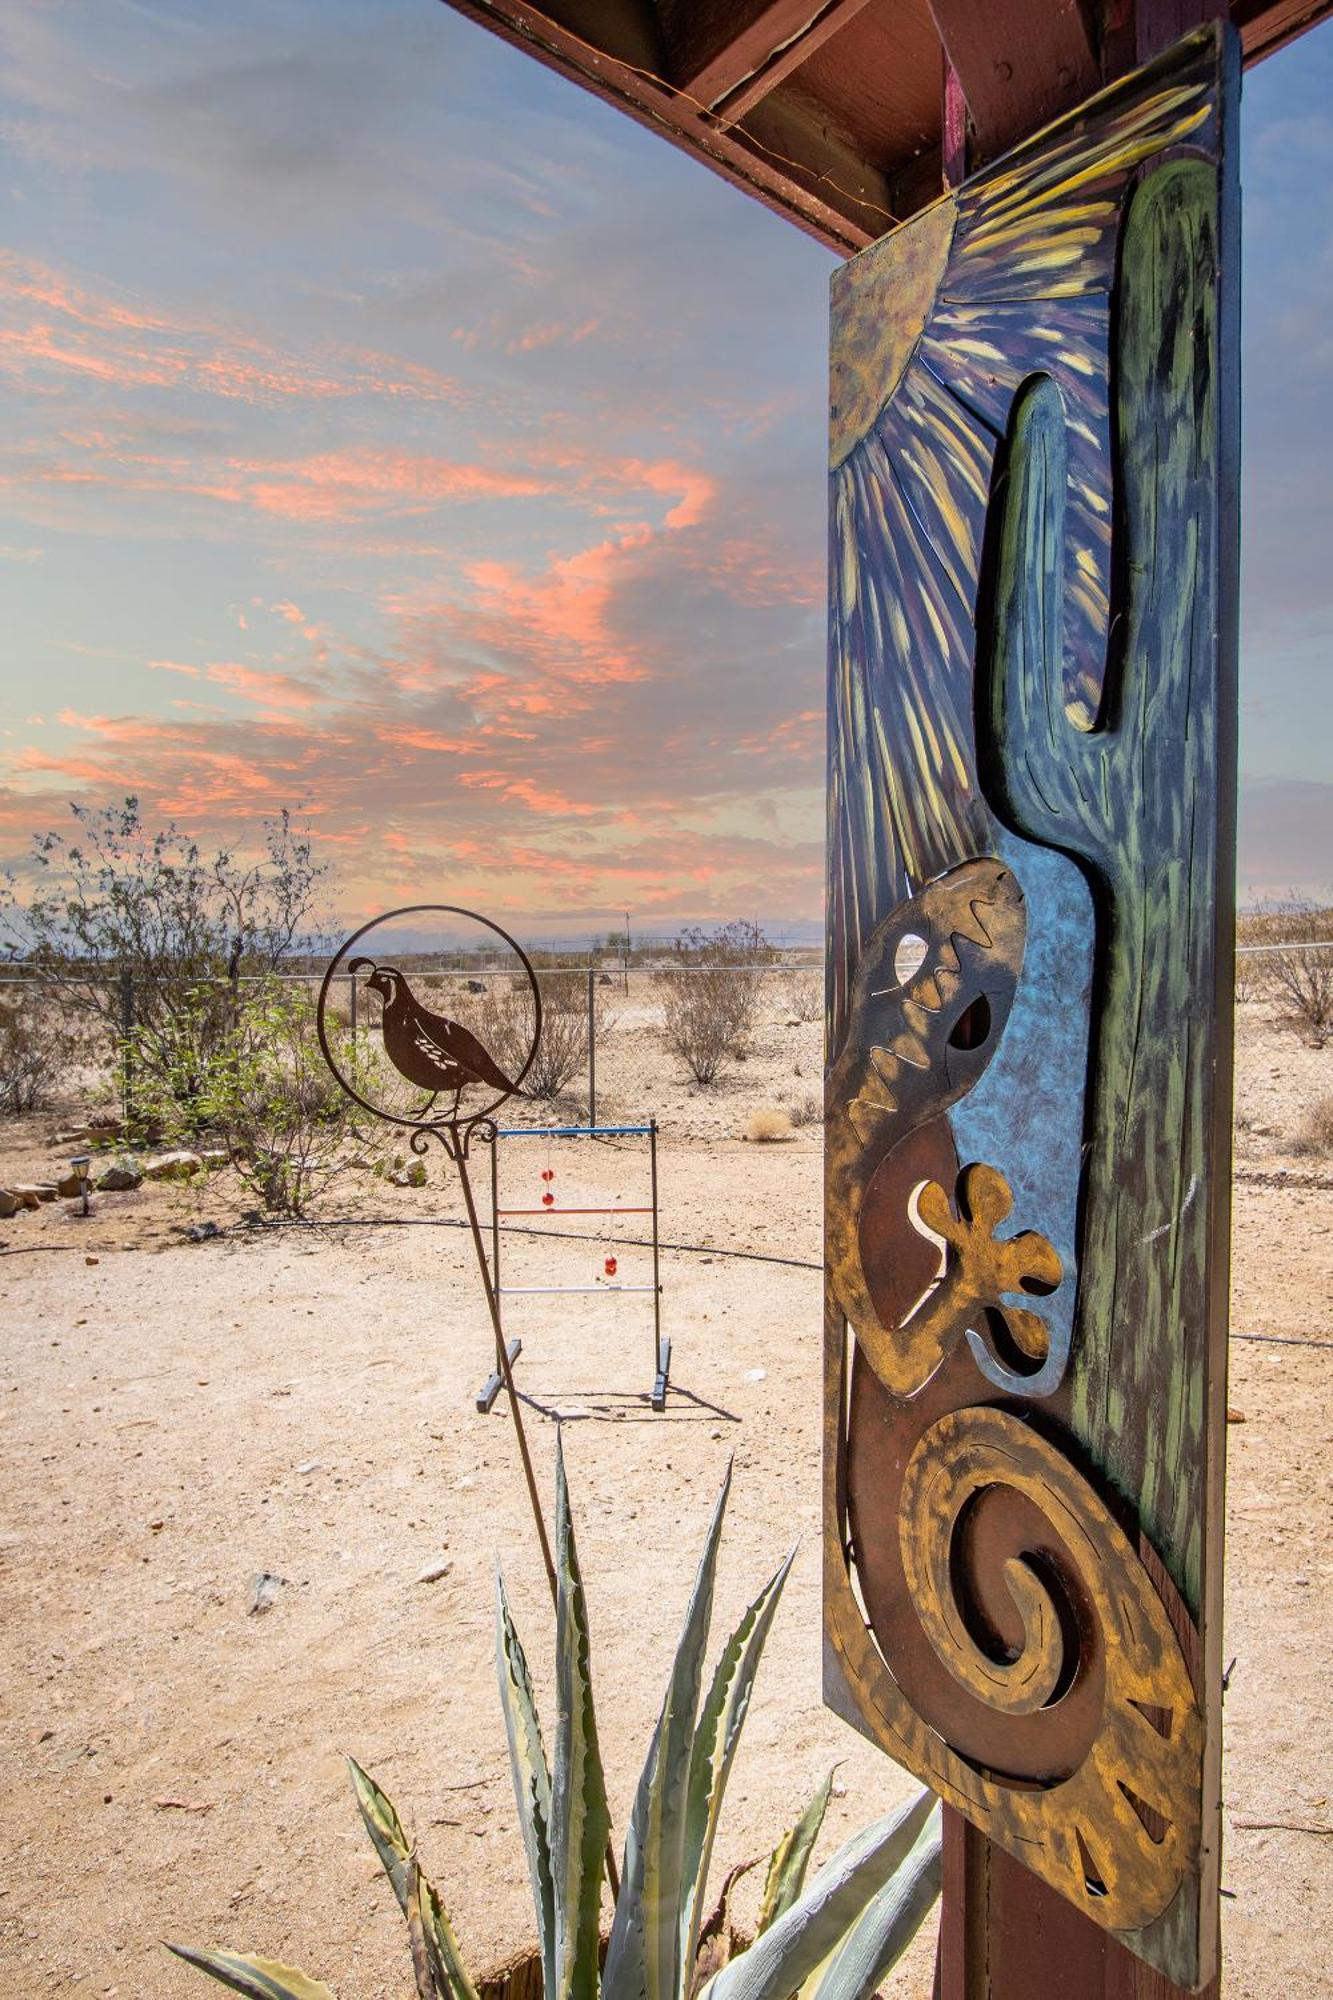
[{"x": 1031, "y": 795}]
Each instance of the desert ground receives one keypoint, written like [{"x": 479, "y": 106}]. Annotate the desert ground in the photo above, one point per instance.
[{"x": 179, "y": 1419}]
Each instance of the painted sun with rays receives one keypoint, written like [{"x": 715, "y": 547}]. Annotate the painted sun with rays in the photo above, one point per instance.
[{"x": 1007, "y": 280}]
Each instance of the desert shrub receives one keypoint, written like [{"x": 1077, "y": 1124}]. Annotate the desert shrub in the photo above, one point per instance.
[
  {"x": 805, "y": 996},
  {"x": 808, "y": 1110},
  {"x": 1315, "y": 1134},
  {"x": 266, "y": 1094},
  {"x": 118, "y": 913},
  {"x": 37, "y": 1048},
  {"x": 768, "y": 1126},
  {"x": 502, "y": 1017},
  {"x": 708, "y": 1015},
  {"x": 1301, "y": 971},
  {"x": 710, "y": 1006}
]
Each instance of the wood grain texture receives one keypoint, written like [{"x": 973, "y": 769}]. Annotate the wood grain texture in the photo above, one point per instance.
[{"x": 1031, "y": 655}]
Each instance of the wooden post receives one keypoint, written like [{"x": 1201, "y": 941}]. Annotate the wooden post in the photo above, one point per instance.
[{"x": 1032, "y": 744}]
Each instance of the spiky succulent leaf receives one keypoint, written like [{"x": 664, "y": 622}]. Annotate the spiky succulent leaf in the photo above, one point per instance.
[
  {"x": 643, "y": 1958},
  {"x": 580, "y": 1823},
  {"x": 532, "y": 1780},
  {"x": 714, "y": 1748},
  {"x": 382, "y": 1823},
  {"x": 800, "y": 1942},
  {"x": 790, "y": 1859},
  {"x": 452, "y": 1979},
  {"x": 873, "y": 1944},
  {"x": 256, "y": 1978}
]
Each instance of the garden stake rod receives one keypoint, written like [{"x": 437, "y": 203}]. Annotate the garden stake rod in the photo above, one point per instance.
[{"x": 432, "y": 1052}]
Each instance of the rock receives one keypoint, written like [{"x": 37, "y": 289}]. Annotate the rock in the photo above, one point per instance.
[
  {"x": 74, "y": 1137},
  {"x": 264, "y": 1592},
  {"x": 174, "y": 1166},
  {"x": 434, "y": 1571},
  {"x": 9, "y": 1204},
  {"x": 69, "y": 1185},
  {"x": 32, "y": 1193},
  {"x": 119, "y": 1178},
  {"x": 413, "y": 1176},
  {"x": 475, "y": 986},
  {"x": 92, "y": 1260},
  {"x": 1235, "y": 1416},
  {"x": 203, "y": 1232},
  {"x": 214, "y": 1156}
]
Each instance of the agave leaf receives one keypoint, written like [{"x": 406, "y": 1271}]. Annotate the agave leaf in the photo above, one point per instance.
[
  {"x": 452, "y": 1981},
  {"x": 382, "y": 1823},
  {"x": 580, "y": 1823},
  {"x": 532, "y": 1780},
  {"x": 416, "y": 1932},
  {"x": 798, "y": 1944},
  {"x": 873, "y": 1944},
  {"x": 256, "y": 1978},
  {"x": 714, "y": 1748},
  {"x": 391, "y": 1844},
  {"x": 717, "y": 1937},
  {"x": 644, "y": 1957},
  {"x": 791, "y": 1857}
]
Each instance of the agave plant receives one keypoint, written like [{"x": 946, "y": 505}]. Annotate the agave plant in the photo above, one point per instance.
[{"x": 833, "y": 1939}]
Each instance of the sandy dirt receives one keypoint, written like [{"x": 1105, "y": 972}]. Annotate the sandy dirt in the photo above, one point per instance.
[{"x": 178, "y": 1419}]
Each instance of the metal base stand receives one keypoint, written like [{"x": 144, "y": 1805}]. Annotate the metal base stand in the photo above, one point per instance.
[
  {"x": 663, "y": 1373},
  {"x": 494, "y": 1382}
]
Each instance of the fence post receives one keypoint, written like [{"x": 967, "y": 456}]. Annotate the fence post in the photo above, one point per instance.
[{"x": 592, "y": 1046}]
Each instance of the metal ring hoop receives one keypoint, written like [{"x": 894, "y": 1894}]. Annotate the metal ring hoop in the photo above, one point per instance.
[{"x": 418, "y": 910}]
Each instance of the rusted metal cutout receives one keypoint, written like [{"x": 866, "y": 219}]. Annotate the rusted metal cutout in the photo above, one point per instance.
[{"x": 426, "y": 1049}]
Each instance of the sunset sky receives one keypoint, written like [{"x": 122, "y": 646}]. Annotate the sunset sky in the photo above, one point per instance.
[{"x": 389, "y": 428}]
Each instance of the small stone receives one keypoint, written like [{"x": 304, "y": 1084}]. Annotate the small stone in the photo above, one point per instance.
[
  {"x": 9, "y": 1204},
  {"x": 119, "y": 1178},
  {"x": 177, "y": 1165},
  {"x": 264, "y": 1592},
  {"x": 433, "y": 1572},
  {"x": 413, "y": 1176},
  {"x": 33, "y": 1193},
  {"x": 1236, "y": 1416},
  {"x": 92, "y": 1260},
  {"x": 203, "y": 1232},
  {"x": 157, "y": 1526},
  {"x": 756, "y": 1374},
  {"x": 310, "y": 1465}
]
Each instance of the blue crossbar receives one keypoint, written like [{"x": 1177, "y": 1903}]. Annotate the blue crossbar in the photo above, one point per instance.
[{"x": 571, "y": 1131}]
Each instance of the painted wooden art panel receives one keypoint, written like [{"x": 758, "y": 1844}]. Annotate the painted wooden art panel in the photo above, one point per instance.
[{"x": 1031, "y": 786}]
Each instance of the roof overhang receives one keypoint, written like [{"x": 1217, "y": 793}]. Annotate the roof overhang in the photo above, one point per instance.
[{"x": 849, "y": 116}]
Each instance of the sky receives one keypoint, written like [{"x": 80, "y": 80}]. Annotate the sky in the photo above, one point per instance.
[{"x": 392, "y": 431}]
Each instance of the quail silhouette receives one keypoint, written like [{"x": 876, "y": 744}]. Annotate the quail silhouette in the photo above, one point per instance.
[{"x": 428, "y": 1049}]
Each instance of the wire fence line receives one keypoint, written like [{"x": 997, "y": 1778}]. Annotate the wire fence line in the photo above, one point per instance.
[{"x": 586, "y": 1002}]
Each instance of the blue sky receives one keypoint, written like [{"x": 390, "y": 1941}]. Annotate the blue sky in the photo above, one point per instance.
[{"x": 387, "y": 426}]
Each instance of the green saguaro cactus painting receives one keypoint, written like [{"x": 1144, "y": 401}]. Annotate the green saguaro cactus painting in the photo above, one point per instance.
[{"x": 1031, "y": 803}]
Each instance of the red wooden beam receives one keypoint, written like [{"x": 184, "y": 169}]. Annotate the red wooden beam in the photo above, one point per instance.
[
  {"x": 798, "y": 168},
  {"x": 742, "y": 70},
  {"x": 1020, "y": 63}
]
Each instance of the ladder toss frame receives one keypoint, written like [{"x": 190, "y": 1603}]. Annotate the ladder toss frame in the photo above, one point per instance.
[{"x": 494, "y": 1382}]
